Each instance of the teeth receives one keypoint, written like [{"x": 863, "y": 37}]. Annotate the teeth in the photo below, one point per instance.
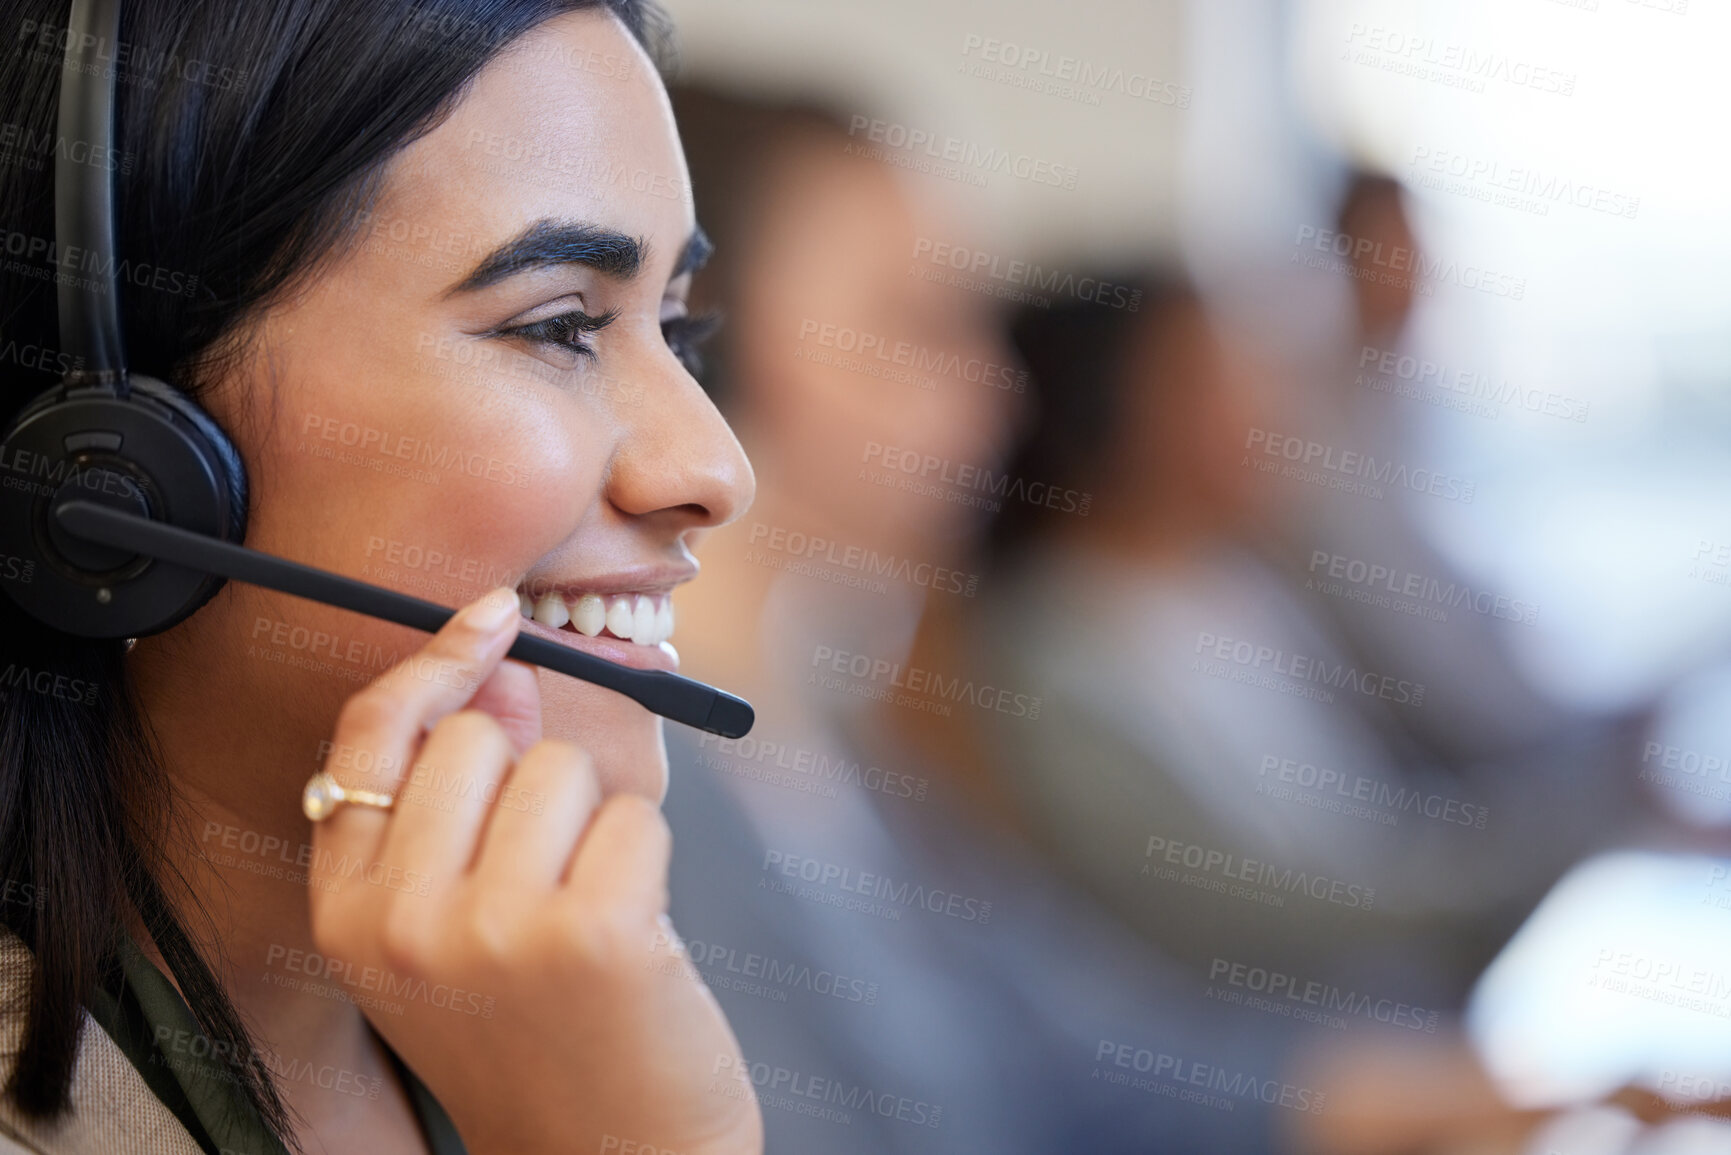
[
  {"x": 550, "y": 611},
  {"x": 620, "y": 616},
  {"x": 642, "y": 618},
  {"x": 589, "y": 615}
]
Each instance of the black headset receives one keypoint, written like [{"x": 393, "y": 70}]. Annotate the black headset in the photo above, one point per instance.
[
  {"x": 106, "y": 435},
  {"x": 122, "y": 498}
]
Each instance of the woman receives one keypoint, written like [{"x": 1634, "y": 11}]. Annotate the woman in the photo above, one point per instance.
[
  {"x": 433, "y": 260},
  {"x": 972, "y": 1021}
]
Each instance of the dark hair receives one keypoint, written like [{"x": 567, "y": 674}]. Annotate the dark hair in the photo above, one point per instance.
[
  {"x": 250, "y": 140},
  {"x": 1366, "y": 190},
  {"x": 1076, "y": 353},
  {"x": 735, "y": 147}
]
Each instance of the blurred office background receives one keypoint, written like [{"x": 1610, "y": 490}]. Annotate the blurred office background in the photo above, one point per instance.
[{"x": 1480, "y": 242}]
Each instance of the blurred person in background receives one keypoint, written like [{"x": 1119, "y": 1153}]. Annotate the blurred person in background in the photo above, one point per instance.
[
  {"x": 1371, "y": 398},
  {"x": 872, "y": 934},
  {"x": 1384, "y": 868},
  {"x": 1210, "y": 721}
]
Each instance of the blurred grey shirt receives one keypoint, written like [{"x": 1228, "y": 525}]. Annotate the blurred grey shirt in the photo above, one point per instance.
[{"x": 902, "y": 982}]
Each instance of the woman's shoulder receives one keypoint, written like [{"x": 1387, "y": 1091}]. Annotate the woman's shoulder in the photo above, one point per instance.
[{"x": 113, "y": 1110}]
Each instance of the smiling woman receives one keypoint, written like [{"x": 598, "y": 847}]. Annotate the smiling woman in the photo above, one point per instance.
[{"x": 426, "y": 263}]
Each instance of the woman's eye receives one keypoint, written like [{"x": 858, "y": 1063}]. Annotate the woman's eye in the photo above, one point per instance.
[
  {"x": 568, "y": 331},
  {"x": 685, "y": 337}
]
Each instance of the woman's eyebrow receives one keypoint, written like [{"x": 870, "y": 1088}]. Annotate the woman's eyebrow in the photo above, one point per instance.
[
  {"x": 696, "y": 253},
  {"x": 549, "y": 242}
]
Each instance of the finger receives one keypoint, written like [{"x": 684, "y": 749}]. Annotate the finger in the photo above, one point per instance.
[
  {"x": 381, "y": 726},
  {"x": 441, "y": 808},
  {"x": 621, "y": 862},
  {"x": 539, "y": 816},
  {"x": 513, "y": 696}
]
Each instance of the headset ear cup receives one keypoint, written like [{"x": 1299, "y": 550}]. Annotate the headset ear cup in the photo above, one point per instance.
[
  {"x": 152, "y": 453},
  {"x": 224, "y": 457}
]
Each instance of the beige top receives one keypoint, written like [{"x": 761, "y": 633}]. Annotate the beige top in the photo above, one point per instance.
[{"x": 113, "y": 1110}]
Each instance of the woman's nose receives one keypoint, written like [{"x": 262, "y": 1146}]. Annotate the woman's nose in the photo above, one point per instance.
[{"x": 679, "y": 458}]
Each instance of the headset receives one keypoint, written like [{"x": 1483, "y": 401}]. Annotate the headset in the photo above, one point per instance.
[{"x": 127, "y": 502}]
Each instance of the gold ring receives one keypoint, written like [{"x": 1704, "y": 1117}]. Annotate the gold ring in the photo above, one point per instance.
[{"x": 323, "y": 794}]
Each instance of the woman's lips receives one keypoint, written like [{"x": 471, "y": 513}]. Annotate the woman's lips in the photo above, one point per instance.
[{"x": 661, "y": 656}]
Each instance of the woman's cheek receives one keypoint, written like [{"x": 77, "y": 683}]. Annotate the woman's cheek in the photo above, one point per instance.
[{"x": 624, "y": 739}]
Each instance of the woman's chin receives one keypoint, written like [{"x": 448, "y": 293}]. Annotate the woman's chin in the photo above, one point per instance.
[{"x": 624, "y": 739}]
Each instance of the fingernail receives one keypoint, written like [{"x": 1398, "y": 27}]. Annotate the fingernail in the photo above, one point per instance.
[{"x": 490, "y": 614}]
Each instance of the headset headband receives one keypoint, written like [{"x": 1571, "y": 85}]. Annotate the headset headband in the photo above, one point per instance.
[{"x": 84, "y": 198}]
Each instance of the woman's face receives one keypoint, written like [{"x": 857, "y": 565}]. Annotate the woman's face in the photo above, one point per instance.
[
  {"x": 480, "y": 393},
  {"x": 830, "y": 269}
]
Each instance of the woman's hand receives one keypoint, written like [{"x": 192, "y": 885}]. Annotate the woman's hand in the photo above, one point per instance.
[{"x": 520, "y": 965}]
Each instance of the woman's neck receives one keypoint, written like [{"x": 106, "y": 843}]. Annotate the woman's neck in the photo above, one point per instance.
[{"x": 244, "y": 849}]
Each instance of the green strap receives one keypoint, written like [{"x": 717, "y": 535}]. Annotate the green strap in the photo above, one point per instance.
[
  {"x": 208, "y": 1081},
  {"x": 441, "y": 1133},
  {"x": 154, "y": 1028},
  {"x": 118, "y": 1014}
]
